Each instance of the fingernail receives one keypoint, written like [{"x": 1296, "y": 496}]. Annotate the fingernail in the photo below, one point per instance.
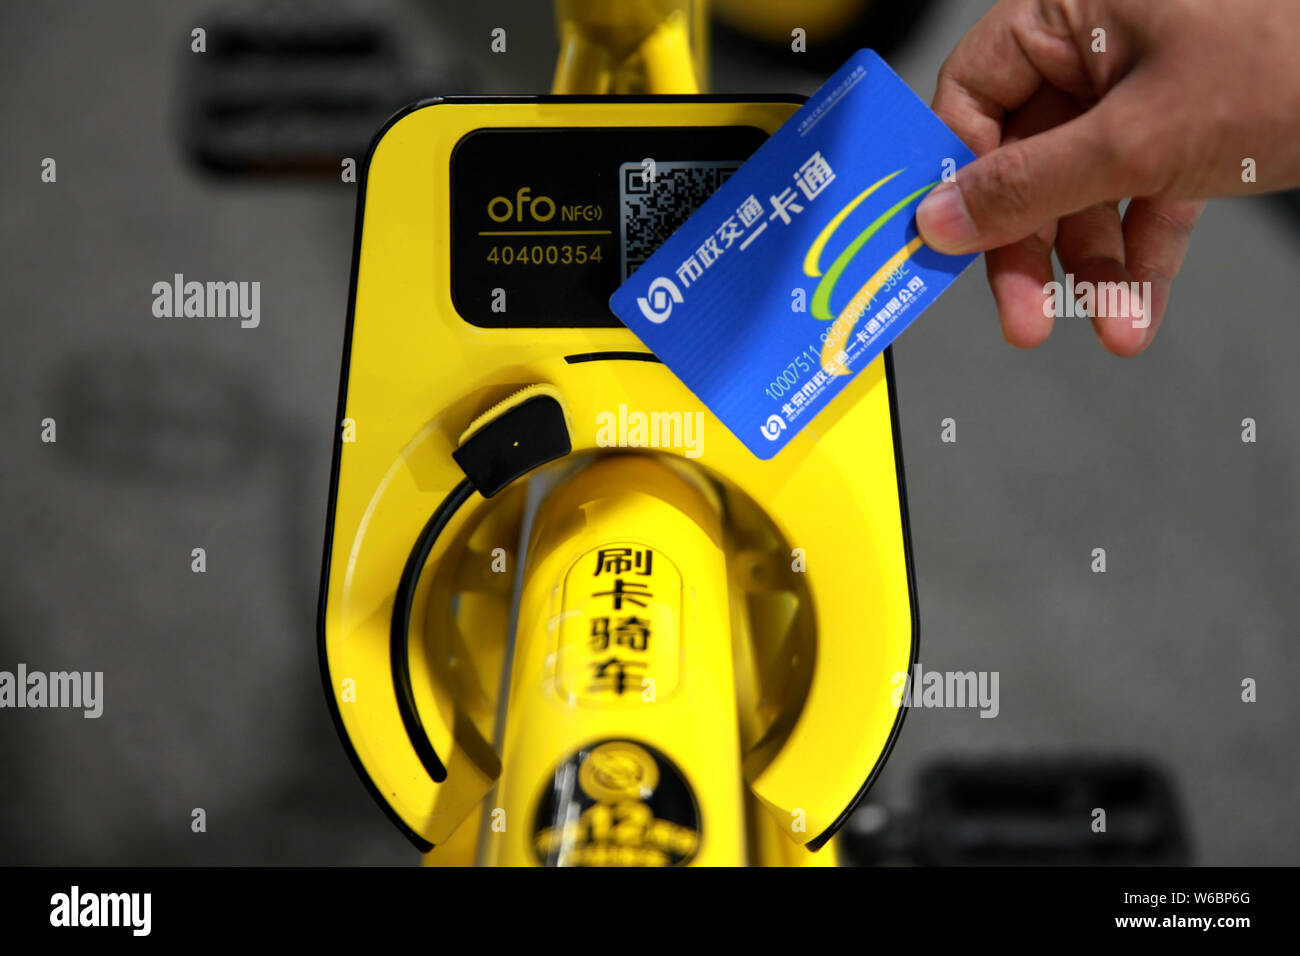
[{"x": 943, "y": 221}]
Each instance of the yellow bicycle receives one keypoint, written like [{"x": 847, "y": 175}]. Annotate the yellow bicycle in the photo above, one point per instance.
[{"x": 566, "y": 617}]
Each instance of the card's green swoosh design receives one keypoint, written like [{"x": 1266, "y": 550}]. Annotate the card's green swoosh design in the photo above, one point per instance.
[{"x": 821, "y": 303}]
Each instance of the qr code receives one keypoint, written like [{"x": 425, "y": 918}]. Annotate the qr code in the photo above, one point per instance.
[{"x": 651, "y": 209}]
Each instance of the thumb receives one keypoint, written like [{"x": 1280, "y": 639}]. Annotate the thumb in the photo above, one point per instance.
[{"x": 1010, "y": 192}]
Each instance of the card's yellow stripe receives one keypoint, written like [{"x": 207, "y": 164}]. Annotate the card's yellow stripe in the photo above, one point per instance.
[
  {"x": 847, "y": 320},
  {"x": 811, "y": 266}
]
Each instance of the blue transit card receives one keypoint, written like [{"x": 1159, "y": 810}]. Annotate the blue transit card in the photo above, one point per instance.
[{"x": 805, "y": 264}]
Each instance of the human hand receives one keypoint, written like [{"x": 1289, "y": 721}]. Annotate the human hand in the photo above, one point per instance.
[{"x": 1073, "y": 105}]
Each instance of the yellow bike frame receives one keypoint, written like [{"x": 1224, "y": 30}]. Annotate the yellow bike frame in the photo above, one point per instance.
[
  {"x": 627, "y": 657},
  {"x": 631, "y": 46}
]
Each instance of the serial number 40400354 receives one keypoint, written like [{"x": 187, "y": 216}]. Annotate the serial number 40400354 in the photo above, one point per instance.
[{"x": 544, "y": 254}]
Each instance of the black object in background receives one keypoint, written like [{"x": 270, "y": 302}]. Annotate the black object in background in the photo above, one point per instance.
[
  {"x": 1029, "y": 811},
  {"x": 295, "y": 89}
]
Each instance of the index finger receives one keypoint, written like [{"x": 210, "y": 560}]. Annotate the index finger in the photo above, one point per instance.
[{"x": 1008, "y": 54}]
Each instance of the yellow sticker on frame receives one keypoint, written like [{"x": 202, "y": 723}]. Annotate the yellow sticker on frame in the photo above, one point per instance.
[{"x": 620, "y": 632}]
